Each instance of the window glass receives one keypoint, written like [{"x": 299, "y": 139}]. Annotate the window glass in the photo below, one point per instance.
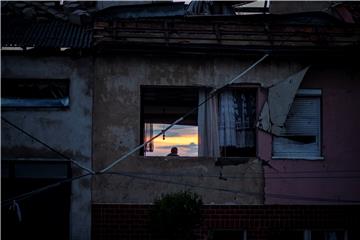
[
  {"x": 183, "y": 137},
  {"x": 161, "y": 106},
  {"x": 34, "y": 92}
]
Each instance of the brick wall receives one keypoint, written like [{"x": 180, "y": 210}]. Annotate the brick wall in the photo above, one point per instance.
[{"x": 120, "y": 221}]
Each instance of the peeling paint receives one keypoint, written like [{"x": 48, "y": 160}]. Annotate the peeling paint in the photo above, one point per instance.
[
  {"x": 280, "y": 98},
  {"x": 117, "y": 121},
  {"x": 193, "y": 171}
]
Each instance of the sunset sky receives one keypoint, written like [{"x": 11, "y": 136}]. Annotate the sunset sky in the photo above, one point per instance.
[{"x": 185, "y": 138}]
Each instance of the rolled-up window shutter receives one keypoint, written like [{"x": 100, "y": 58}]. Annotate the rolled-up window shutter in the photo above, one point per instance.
[{"x": 300, "y": 138}]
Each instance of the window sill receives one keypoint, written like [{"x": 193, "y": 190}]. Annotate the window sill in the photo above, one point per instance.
[
  {"x": 176, "y": 158},
  {"x": 221, "y": 161},
  {"x": 298, "y": 158},
  {"x": 224, "y": 161},
  {"x": 35, "y": 103}
]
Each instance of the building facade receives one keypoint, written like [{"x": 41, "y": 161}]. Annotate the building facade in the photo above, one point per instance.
[{"x": 274, "y": 155}]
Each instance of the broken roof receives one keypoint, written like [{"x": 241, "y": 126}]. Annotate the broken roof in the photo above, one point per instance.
[
  {"x": 75, "y": 24},
  {"x": 47, "y": 24},
  {"x": 76, "y": 12},
  {"x": 295, "y": 32},
  {"x": 49, "y": 34},
  {"x": 161, "y": 9}
]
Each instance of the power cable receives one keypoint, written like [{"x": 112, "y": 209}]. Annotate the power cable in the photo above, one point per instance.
[
  {"x": 47, "y": 146},
  {"x": 39, "y": 190},
  {"x": 272, "y": 195},
  {"x": 138, "y": 175},
  {"x": 211, "y": 95},
  {"x": 29, "y": 194},
  {"x": 237, "y": 177}
]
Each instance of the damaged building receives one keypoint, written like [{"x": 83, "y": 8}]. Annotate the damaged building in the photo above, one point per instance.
[{"x": 260, "y": 99}]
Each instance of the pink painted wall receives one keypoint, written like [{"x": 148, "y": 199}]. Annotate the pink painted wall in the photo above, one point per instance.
[{"x": 340, "y": 144}]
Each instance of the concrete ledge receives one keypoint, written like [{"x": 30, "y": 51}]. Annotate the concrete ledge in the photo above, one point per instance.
[{"x": 226, "y": 161}]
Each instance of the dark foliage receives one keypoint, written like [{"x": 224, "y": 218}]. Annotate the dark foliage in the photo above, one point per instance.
[{"x": 176, "y": 215}]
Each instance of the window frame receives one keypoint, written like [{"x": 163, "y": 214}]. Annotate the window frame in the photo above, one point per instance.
[
  {"x": 253, "y": 87},
  {"x": 8, "y": 102},
  {"x": 141, "y": 151},
  {"x": 245, "y": 87},
  {"x": 306, "y": 93},
  {"x": 30, "y": 168}
]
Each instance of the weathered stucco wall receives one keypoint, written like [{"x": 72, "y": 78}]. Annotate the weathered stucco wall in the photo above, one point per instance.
[
  {"x": 332, "y": 177},
  {"x": 66, "y": 130},
  {"x": 117, "y": 123},
  {"x": 140, "y": 180}
]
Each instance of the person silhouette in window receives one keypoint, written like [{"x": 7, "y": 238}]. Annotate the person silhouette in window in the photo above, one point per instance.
[{"x": 174, "y": 152}]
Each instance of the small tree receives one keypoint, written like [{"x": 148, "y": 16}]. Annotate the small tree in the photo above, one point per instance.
[{"x": 175, "y": 215}]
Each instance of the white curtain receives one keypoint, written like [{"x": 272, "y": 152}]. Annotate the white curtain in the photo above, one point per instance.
[
  {"x": 236, "y": 119},
  {"x": 208, "y": 126}
]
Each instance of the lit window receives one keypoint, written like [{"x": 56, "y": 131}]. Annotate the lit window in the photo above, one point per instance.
[
  {"x": 161, "y": 106},
  {"x": 183, "y": 137},
  {"x": 223, "y": 126}
]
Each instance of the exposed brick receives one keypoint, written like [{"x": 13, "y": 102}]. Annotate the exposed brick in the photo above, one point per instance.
[{"x": 120, "y": 221}]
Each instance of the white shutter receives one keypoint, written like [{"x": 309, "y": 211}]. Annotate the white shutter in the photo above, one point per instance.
[{"x": 303, "y": 122}]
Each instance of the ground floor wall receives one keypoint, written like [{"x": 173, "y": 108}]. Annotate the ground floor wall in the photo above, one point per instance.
[
  {"x": 141, "y": 180},
  {"x": 126, "y": 221}
]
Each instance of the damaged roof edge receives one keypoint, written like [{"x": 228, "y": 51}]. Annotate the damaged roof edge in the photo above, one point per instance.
[
  {"x": 168, "y": 9},
  {"x": 54, "y": 34},
  {"x": 181, "y": 10},
  {"x": 142, "y": 11}
]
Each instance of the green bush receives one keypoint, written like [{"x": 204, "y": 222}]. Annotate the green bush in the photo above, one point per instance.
[{"x": 176, "y": 215}]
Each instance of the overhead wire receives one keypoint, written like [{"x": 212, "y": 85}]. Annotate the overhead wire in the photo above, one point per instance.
[
  {"x": 272, "y": 195},
  {"x": 47, "y": 145},
  {"x": 250, "y": 175},
  {"x": 24, "y": 196},
  {"x": 138, "y": 175},
  {"x": 162, "y": 132},
  {"x": 211, "y": 95},
  {"x": 91, "y": 172}
]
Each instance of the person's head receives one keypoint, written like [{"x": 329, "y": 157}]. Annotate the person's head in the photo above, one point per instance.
[{"x": 174, "y": 150}]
